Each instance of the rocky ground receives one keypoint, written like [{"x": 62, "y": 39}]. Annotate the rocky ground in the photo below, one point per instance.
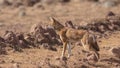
[{"x": 27, "y": 40}]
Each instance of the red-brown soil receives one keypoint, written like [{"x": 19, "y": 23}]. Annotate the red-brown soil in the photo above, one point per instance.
[{"x": 44, "y": 58}]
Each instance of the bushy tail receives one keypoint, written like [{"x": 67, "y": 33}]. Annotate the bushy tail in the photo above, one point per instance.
[{"x": 97, "y": 55}]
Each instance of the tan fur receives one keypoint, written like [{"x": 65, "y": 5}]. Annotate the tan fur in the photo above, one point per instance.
[{"x": 72, "y": 35}]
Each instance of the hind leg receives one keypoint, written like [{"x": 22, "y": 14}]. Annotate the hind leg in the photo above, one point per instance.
[
  {"x": 69, "y": 50},
  {"x": 82, "y": 43}
]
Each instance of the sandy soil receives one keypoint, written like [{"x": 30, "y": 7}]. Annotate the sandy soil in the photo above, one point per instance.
[{"x": 43, "y": 58}]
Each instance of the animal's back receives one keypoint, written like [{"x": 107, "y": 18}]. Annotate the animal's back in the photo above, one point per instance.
[{"x": 74, "y": 34}]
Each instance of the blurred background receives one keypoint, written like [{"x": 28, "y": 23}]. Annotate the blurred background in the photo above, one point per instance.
[{"x": 18, "y": 16}]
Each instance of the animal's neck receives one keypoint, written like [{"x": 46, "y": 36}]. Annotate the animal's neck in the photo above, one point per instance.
[{"x": 58, "y": 27}]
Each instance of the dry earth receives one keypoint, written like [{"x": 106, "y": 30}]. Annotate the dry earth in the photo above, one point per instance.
[{"x": 10, "y": 19}]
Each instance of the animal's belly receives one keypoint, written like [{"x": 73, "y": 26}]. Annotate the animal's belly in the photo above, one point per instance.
[
  {"x": 74, "y": 39},
  {"x": 74, "y": 35}
]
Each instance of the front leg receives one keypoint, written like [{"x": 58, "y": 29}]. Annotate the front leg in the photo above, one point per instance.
[
  {"x": 64, "y": 49},
  {"x": 63, "y": 38}
]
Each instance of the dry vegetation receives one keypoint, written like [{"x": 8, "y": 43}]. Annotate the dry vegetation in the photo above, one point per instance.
[{"x": 28, "y": 41}]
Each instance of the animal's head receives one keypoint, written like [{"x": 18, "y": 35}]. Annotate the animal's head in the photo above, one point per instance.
[{"x": 55, "y": 24}]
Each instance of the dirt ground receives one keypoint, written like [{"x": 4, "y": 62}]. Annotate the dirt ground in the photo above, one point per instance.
[{"x": 43, "y": 58}]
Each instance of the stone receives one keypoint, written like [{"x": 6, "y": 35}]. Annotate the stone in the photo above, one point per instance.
[
  {"x": 15, "y": 65},
  {"x": 109, "y": 4},
  {"x": 2, "y": 24},
  {"x": 115, "y": 51},
  {"x": 92, "y": 57}
]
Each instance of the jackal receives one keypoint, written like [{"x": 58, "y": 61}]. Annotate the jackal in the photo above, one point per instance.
[{"x": 67, "y": 35}]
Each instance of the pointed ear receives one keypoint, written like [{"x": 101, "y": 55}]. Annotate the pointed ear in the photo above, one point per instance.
[
  {"x": 6, "y": 32},
  {"x": 55, "y": 23},
  {"x": 53, "y": 20}
]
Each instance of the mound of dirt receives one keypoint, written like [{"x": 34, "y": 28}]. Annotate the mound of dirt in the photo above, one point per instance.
[
  {"x": 44, "y": 35},
  {"x": 115, "y": 51},
  {"x": 109, "y": 24}
]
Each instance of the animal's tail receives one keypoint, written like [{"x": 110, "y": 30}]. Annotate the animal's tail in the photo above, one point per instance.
[
  {"x": 73, "y": 47},
  {"x": 97, "y": 55}
]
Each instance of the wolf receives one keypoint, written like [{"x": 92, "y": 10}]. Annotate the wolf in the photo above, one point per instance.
[{"x": 68, "y": 35}]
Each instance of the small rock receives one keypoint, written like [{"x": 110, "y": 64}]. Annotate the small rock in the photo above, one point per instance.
[
  {"x": 47, "y": 1},
  {"x": 4, "y": 3},
  {"x": 83, "y": 66},
  {"x": 57, "y": 58},
  {"x": 116, "y": 64},
  {"x": 83, "y": 51},
  {"x": 107, "y": 48},
  {"x": 39, "y": 5},
  {"x": 84, "y": 60},
  {"x": 21, "y": 12},
  {"x": 109, "y": 4},
  {"x": 74, "y": 63},
  {"x": 2, "y": 61},
  {"x": 15, "y": 65},
  {"x": 78, "y": 43},
  {"x": 110, "y": 13},
  {"x": 80, "y": 59},
  {"x": 30, "y": 2},
  {"x": 45, "y": 45},
  {"x": 12, "y": 61},
  {"x": 115, "y": 51},
  {"x": 1, "y": 24},
  {"x": 64, "y": 0},
  {"x": 79, "y": 52},
  {"x": 64, "y": 58},
  {"x": 92, "y": 57}
]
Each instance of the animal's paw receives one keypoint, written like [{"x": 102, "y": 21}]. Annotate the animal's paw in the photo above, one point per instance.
[
  {"x": 69, "y": 55},
  {"x": 63, "y": 58}
]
